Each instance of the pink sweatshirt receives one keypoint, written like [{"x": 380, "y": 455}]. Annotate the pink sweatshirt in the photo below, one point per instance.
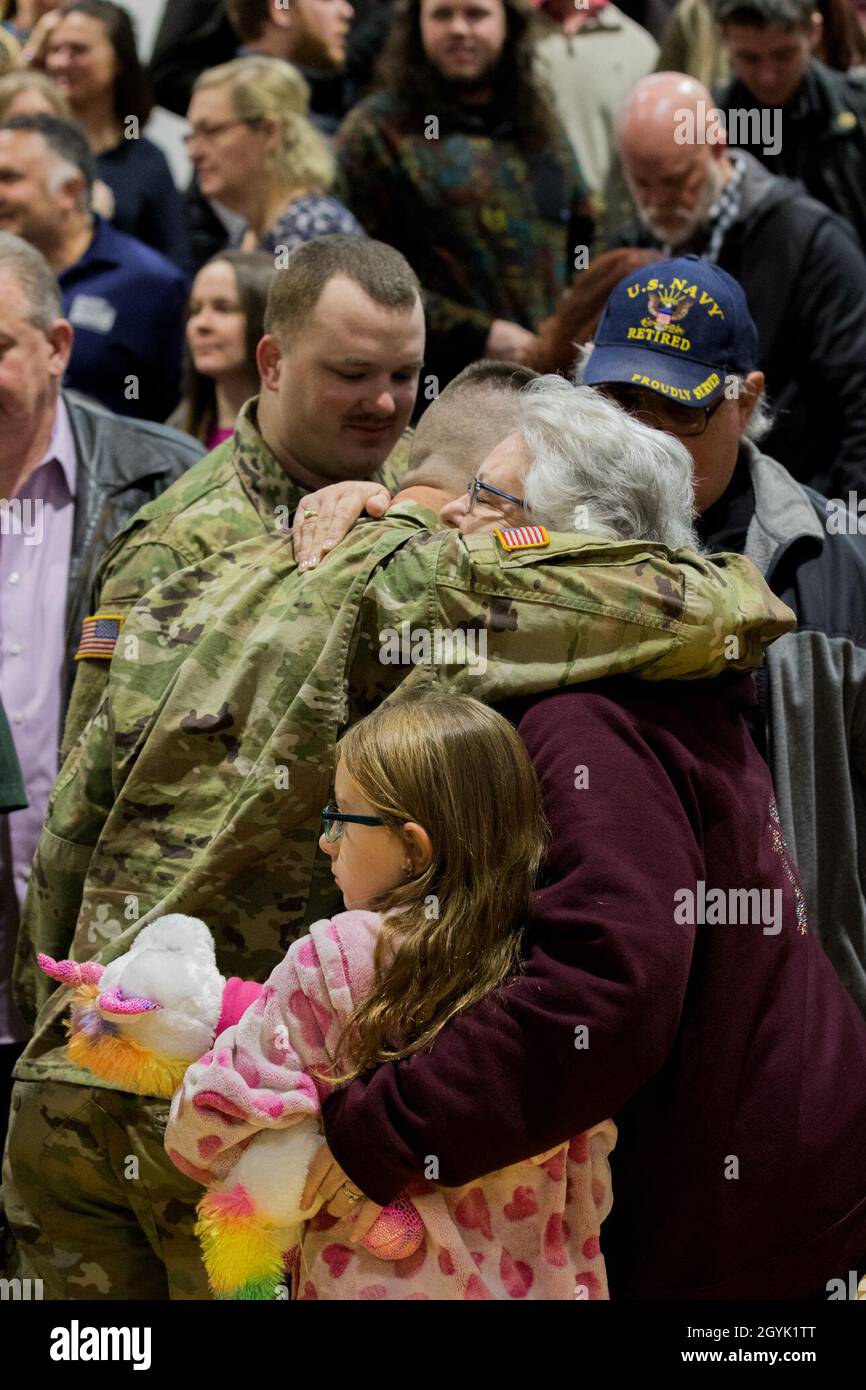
[{"x": 528, "y": 1231}]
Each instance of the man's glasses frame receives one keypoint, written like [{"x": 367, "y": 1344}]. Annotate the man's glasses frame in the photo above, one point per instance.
[{"x": 623, "y": 392}]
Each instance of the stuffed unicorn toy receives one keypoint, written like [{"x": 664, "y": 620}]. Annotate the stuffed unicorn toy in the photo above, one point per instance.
[{"x": 237, "y": 1057}]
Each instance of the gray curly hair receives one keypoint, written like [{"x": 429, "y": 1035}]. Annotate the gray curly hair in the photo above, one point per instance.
[{"x": 596, "y": 469}]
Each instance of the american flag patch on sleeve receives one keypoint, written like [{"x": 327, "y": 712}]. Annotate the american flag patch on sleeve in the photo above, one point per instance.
[
  {"x": 522, "y": 537},
  {"x": 99, "y": 635}
]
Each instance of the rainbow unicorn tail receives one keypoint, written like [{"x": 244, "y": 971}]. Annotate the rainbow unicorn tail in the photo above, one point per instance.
[
  {"x": 245, "y": 1257},
  {"x": 242, "y": 1255}
]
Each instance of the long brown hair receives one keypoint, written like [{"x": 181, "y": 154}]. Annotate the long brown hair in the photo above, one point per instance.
[
  {"x": 405, "y": 70},
  {"x": 451, "y": 935},
  {"x": 253, "y": 271},
  {"x": 132, "y": 92}
]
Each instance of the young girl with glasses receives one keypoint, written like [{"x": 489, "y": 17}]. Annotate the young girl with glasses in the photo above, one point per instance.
[{"x": 435, "y": 842}]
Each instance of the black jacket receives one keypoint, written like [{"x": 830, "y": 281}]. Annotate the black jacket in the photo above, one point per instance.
[
  {"x": 121, "y": 464},
  {"x": 804, "y": 278},
  {"x": 823, "y": 138},
  {"x": 812, "y": 690},
  {"x": 193, "y": 35}
]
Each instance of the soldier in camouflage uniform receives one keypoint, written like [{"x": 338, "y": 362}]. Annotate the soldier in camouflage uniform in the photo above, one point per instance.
[
  {"x": 198, "y": 787},
  {"x": 320, "y": 416}
]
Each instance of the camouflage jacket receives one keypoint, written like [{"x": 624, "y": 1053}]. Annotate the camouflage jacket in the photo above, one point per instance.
[
  {"x": 231, "y": 494},
  {"x": 489, "y": 228},
  {"x": 199, "y": 785}
]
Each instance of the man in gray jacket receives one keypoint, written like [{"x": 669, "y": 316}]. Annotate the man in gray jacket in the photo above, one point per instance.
[
  {"x": 71, "y": 475},
  {"x": 685, "y": 315}
]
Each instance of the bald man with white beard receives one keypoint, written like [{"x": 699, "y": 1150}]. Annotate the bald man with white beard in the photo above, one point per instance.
[{"x": 800, "y": 266}]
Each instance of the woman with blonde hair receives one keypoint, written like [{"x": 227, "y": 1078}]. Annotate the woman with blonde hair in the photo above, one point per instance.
[
  {"x": 257, "y": 153},
  {"x": 28, "y": 92}
]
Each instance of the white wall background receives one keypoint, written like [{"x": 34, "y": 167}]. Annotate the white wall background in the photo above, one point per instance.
[
  {"x": 164, "y": 127},
  {"x": 147, "y": 14}
]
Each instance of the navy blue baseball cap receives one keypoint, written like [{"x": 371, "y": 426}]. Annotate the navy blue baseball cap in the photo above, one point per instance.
[{"x": 677, "y": 327}]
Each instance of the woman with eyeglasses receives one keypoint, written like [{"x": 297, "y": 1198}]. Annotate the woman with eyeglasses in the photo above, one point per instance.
[
  {"x": 256, "y": 152},
  {"x": 90, "y": 53}
]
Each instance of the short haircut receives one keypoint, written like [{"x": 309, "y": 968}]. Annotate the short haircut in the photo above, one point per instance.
[
  {"x": 474, "y": 413},
  {"x": 788, "y": 15},
  {"x": 64, "y": 139},
  {"x": 36, "y": 278},
  {"x": 381, "y": 271},
  {"x": 248, "y": 17}
]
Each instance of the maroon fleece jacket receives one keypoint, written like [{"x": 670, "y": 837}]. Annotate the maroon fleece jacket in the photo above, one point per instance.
[{"x": 730, "y": 1055}]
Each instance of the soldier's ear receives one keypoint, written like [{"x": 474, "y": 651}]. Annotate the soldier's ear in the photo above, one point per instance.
[{"x": 269, "y": 359}]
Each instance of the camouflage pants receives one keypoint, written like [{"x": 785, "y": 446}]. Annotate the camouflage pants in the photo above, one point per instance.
[{"x": 96, "y": 1207}]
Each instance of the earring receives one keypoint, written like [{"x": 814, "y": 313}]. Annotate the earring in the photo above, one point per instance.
[{"x": 408, "y": 869}]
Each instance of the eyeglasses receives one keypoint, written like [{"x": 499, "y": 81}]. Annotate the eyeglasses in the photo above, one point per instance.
[
  {"x": 655, "y": 410},
  {"x": 475, "y": 486},
  {"x": 210, "y": 132},
  {"x": 334, "y": 820}
]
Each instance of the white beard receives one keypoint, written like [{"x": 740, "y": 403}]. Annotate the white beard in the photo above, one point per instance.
[{"x": 681, "y": 225}]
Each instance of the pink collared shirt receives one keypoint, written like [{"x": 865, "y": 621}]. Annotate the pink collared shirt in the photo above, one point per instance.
[{"x": 35, "y": 551}]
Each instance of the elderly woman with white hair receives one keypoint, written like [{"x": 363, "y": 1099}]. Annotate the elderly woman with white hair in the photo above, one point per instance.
[
  {"x": 256, "y": 152},
  {"x": 575, "y": 461},
  {"x": 578, "y": 462},
  {"x": 668, "y": 976}
]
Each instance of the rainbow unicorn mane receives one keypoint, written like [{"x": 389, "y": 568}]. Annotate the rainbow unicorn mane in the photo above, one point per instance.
[{"x": 98, "y": 1045}]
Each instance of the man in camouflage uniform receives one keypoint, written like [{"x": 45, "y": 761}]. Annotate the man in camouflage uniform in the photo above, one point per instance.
[
  {"x": 459, "y": 159},
  {"x": 335, "y": 402},
  {"x": 198, "y": 787}
]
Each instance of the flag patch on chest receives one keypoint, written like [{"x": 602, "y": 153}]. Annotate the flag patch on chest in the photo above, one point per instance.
[
  {"x": 99, "y": 635},
  {"x": 522, "y": 537}
]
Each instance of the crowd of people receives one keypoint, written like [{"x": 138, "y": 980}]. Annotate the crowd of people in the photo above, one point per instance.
[{"x": 475, "y": 449}]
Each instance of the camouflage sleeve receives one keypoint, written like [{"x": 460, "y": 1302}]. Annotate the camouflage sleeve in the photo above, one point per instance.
[
  {"x": 730, "y": 617},
  {"x": 126, "y": 692},
  {"x": 127, "y": 571},
  {"x": 80, "y": 802},
  {"x": 459, "y": 612}
]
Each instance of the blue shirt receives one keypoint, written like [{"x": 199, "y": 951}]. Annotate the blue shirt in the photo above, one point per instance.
[
  {"x": 148, "y": 205},
  {"x": 126, "y": 303}
]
